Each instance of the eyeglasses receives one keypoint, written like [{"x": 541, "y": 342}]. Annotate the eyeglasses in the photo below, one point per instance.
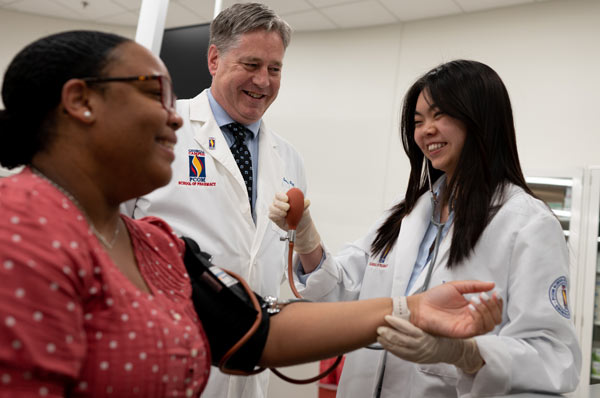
[{"x": 167, "y": 95}]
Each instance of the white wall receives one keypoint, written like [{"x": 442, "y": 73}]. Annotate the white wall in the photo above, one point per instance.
[
  {"x": 19, "y": 29},
  {"x": 548, "y": 56},
  {"x": 341, "y": 94},
  {"x": 336, "y": 105}
]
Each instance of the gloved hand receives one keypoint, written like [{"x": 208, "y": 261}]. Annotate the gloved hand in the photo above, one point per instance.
[
  {"x": 444, "y": 311},
  {"x": 412, "y": 344},
  {"x": 307, "y": 237}
]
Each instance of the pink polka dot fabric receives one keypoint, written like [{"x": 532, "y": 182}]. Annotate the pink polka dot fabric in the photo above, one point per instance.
[{"x": 72, "y": 324}]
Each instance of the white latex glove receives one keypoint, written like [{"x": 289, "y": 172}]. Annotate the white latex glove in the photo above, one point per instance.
[
  {"x": 307, "y": 237},
  {"x": 412, "y": 344}
]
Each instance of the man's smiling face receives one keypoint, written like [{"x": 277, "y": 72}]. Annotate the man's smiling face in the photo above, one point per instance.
[{"x": 246, "y": 78}]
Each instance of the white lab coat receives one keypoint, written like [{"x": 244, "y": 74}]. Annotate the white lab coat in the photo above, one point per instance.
[
  {"x": 216, "y": 213},
  {"x": 522, "y": 250}
]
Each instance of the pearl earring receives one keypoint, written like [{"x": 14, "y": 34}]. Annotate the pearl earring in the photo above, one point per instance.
[{"x": 87, "y": 114}]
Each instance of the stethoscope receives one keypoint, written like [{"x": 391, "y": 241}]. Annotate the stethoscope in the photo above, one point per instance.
[{"x": 436, "y": 245}]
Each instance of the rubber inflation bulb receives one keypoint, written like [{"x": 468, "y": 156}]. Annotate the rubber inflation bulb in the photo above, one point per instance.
[{"x": 296, "y": 201}]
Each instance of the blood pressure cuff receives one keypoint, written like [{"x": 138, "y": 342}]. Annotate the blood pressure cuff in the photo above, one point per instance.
[{"x": 225, "y": 310}]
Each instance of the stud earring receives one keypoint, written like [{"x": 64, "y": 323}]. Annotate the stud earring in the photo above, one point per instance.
[{"x": 87, "y": 114}]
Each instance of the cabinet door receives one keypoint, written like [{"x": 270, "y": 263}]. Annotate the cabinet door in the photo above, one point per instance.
[{"x": 589, "y": 281}]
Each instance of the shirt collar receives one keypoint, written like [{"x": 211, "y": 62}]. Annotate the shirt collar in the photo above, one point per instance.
[
  {"x": 439, "y": 185},
  {"x": 222, "y": 118},
  {"x": 438, "y": 189}
]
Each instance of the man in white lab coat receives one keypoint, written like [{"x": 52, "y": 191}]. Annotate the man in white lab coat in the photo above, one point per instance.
[{"x": 208, "y": 199}]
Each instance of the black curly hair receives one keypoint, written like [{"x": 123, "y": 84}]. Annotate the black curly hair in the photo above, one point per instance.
[{"x": 32, "y": 87}]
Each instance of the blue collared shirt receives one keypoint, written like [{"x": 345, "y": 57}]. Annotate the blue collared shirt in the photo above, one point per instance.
[
  {"x": 223, "y": 119},
  {"x": 426, "y": 250}
]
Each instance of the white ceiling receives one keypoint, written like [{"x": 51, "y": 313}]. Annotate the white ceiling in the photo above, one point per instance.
[{"x": 300, "y": 14}]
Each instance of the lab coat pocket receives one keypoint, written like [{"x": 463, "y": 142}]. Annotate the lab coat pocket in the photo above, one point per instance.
[
  {"x": 444, "y": 370},
  {"x": 377, "y": 280}
]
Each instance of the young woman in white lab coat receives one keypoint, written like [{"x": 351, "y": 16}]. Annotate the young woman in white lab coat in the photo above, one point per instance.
[{"x": 458, "y": 132}]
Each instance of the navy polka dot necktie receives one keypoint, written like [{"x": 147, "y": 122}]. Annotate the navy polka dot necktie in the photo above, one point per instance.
[{"x": 241, "y": 154}]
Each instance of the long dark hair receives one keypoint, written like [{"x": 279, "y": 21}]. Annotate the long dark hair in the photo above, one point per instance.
[
  {"x": 33, "y": 83},
  {"x": 473, "y": 93}
]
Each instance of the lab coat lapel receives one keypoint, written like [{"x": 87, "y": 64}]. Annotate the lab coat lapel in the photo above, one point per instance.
[
  {"x": 206, "y": 128},
  {"x": 443, "y": 251},
  {"x": 440, "y": 262},
  {"x": 270, "y": 166},
  {"x": 413, "y": 228}
]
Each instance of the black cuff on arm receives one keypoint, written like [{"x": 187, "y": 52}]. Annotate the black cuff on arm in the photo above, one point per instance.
[
  {"x": 225, "y": 310},
  {"x": 249, "y": 354}
]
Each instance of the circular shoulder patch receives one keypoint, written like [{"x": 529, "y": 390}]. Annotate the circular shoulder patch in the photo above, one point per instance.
[{"x": 559, "y": 297}]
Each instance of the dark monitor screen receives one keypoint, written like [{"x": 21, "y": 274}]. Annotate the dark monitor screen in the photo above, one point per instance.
[{"x": 184, "y": 52}]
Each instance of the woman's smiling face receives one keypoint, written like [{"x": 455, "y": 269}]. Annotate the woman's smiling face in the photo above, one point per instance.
[
  {"x": 440, "y": 137},
  {"x": 135, "y": 131}
]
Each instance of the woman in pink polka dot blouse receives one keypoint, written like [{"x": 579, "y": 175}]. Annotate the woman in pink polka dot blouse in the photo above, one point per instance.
[{"x": 95, "y": 304}]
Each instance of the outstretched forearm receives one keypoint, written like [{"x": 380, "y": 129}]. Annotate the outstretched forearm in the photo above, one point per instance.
[{"x": 306, "y": 332}]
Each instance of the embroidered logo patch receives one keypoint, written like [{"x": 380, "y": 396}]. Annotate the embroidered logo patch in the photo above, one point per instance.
[
  {"x": 558, "y": 296},
  {"x": 196, "y": 169}
]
